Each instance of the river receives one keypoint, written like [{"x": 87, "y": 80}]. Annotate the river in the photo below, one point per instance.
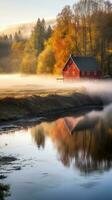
[{"x": 69, "y": 158}]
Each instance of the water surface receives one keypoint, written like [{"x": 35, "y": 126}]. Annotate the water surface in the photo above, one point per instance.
[{"x": 70, "y": 158}]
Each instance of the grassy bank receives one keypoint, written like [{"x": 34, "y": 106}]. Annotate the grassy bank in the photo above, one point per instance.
[{"x": 12, "y": 108}]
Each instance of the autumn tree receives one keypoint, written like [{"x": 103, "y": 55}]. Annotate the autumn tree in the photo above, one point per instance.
[
  {"x": 34, "y": 46},
  {"x": 17, "y": 49},
  {"x": 46, "y": 60},
  {"x": 83, "y": 29},
  {"x": 94, "y": 22},
  {"x": 28, "y": 64},
  {"x": 62, "y": 38}
]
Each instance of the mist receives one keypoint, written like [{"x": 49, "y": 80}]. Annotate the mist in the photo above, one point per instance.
[{"x": 34, "y": 83}]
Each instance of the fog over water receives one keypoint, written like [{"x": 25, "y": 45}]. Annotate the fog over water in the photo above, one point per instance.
[
  {"x": 102, "y": 88},
  {"x": 54, "y": 82}
]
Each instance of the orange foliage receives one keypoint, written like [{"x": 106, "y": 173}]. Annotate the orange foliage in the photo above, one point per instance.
[{"x": 62, "y": 38}]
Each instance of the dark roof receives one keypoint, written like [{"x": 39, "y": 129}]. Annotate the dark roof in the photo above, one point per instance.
[
  {"x": 86, "y": 63},
  {"x": 86, "y": 124}
]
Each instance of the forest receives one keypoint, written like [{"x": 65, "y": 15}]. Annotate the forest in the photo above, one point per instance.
[{"x": 82, "y": 29}]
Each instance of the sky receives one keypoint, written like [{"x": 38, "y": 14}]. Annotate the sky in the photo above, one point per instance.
[{"x": 21, "y": 11}]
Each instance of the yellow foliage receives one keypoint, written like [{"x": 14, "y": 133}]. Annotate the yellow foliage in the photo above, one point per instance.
[
  {"x": 62, "y": 39},
  {"x": 46, "y": 60}
]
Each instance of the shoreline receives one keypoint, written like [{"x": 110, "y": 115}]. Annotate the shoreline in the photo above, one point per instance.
[
  {"x": 48, "y": 117},
  {"x": 51, "y": 107}
]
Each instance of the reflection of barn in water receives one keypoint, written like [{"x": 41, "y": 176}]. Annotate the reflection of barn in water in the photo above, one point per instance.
[
  {"x": 93, "y": 144},
  {"x": 81, "y": 123},
  {"x": 89, "y": 147}
]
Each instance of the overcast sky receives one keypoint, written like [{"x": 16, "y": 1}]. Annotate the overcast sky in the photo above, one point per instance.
[{"x": 20, "y": 11}]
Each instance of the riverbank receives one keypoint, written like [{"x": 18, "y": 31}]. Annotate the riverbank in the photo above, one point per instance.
[
  {"x": 12, "y": 108},
  {"x": 27, "y": 97}
]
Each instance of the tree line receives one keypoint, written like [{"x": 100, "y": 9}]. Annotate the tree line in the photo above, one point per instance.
[{"x": 83, "y": 29}]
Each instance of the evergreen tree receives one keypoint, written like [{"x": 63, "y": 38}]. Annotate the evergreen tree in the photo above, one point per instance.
[
  {"x": 48, "y": 32},
  {"x": 34, "y": 46},
  {"x": 39, "y": 36}
]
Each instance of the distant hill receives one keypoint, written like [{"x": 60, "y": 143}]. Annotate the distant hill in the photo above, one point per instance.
[{"x": 25, "y": 28}]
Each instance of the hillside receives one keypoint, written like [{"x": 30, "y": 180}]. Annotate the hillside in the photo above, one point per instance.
[{"x": 25, "y": 28}]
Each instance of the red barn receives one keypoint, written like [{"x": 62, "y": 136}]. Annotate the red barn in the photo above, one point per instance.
[{"x": 81, "y": 67}]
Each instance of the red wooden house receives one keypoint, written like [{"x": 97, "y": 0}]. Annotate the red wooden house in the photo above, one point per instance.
[{"x": 81, "y": 67}]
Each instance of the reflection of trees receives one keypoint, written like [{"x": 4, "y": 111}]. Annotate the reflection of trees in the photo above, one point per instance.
[
  {"x": 4, "y": 191},
  {"x": 39, "y": 136},
  {"x": 94, "y": 152},
  {"x": 89, "y": 147},
  {"x": 92, "y": 149}
]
